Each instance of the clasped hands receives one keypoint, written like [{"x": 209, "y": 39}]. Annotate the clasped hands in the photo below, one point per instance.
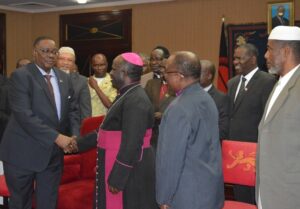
[{"x": 68, "y": 144}]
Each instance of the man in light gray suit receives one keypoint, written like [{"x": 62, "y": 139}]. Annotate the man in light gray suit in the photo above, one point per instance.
[
  {"x": 42, "y": 107},
  {"x": 278, "y": 154},
  {"x": 66, "y": 62},
  {"x": 188, "y": 163}
]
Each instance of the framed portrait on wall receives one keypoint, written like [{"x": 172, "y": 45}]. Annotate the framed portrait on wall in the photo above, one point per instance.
[{"x": 280, "y": 13}]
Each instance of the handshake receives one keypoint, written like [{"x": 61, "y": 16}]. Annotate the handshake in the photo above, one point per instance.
[{"x": 68, "y": 144}]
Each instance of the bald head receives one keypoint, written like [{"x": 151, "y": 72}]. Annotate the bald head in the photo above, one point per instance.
[
  {"x": 208, "y": 72},
  {"x": 22, "y": 62},
  {"x": 99, "y": 65},
  {"x": 187, "y": 63},
  {"x": 182, "y": 69}
]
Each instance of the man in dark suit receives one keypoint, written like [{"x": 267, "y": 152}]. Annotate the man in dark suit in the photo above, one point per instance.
[
  {"x": 42, "y": 105},
  {"x": 279, "y": 19},
  {"x": 208, "y": 72},
  {"x": 66, "y": 62},
  {"x": 4, "y": 108},
  {"x": 248, "y": 94}
]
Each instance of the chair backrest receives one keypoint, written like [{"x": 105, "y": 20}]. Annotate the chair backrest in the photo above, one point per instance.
[
  {"x": 90, "y": 124},
  {"x": 88, "y": 159},
  {"x": 239, "y": 162}
]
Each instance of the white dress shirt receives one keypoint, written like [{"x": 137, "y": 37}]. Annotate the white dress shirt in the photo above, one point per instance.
[
  {"x": 54, "y": 81},
  {"x": 248, "y": 78}
]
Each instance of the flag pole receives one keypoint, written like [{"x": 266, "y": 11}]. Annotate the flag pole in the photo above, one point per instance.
[{"x": 223, "y": 71}]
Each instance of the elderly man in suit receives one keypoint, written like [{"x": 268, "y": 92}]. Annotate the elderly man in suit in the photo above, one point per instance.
[
  {"x": 278, "y": 168},
  {"x": 208, "y": 72},
  {"x": 248, "y": 93},
  {"x": 188, "y": 161},
  {"x": 42, "y": 105},
  {"x": 66, "y": 62}
]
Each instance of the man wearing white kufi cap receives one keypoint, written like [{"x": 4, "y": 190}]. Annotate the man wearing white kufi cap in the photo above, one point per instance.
[
  {"x": 278, "y": 154},
  {"x": 66, "y": 62}
]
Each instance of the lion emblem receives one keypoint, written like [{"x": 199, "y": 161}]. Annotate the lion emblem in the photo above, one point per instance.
[{"x": 240, "y": 159}]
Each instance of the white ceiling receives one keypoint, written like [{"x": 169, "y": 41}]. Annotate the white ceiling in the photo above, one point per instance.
[{"x": 38, "y": 6}]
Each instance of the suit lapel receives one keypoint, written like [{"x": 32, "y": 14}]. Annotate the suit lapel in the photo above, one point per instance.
[
  {"x": 248, "y": 89},
  {"x": 41, "y": 80},
  {"x": 281, "y": 97}
]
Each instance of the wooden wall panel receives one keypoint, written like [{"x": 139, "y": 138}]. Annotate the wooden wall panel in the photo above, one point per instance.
[
  {"x": 180, "y": 25},
  {"x": 18, "y": 38}
]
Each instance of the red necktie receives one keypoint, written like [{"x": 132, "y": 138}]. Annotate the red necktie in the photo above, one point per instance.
[{"x": 163, "y": 91}]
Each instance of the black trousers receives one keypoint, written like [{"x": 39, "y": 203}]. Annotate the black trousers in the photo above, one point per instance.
[
  {"x": 244, "y": 194},
  {"x": 23, "y": 183}
]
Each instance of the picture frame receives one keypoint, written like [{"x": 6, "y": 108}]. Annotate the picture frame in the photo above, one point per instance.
[{"x": 280, "y": 13}]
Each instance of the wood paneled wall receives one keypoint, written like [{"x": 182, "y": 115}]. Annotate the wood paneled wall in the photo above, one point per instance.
[{"x": 179, "y": 25}]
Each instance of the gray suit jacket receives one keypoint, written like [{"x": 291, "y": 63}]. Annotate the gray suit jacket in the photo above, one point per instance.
[
  {"x": 188, "y": 160},
  {"x": 244, "y": 115},
  {"x": 29, "y": 138},
  {"x": 278, "y": 154},
  {"x": 82, "y": 95}
]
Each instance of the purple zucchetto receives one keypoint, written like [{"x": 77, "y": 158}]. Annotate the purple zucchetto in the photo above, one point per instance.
[{"x": 133, "y": 58}]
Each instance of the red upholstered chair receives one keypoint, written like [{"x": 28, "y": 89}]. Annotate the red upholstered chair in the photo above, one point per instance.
[
  {"x": 238, "y": 168},
  {"x": 78, "y": 181},
  {"x": 4, "y": 192},
  {"x": 77, "y": 185}
]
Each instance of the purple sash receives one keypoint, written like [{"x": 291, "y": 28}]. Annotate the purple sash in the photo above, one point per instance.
[{"x": 111, "y": 141}]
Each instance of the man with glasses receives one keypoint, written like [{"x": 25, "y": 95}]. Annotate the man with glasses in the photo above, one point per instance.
[
  {"x": 188, "y": 160},
  {"x": 161, "y": 95},
  {"x": 248, "y": 94},
  {"x": 42, "y": 105}
]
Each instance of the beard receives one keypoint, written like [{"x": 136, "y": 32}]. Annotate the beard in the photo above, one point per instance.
[{"x": 274, "y": 70}]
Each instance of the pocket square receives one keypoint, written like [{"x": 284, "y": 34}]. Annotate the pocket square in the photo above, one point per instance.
[{"x": 69, "y": 97}]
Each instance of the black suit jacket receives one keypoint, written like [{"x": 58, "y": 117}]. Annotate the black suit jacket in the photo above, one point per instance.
[
  {"x": 4, "y": 107},
  {"x": 276, "y": 21},
  {"x": 245, "y": 115},
  {"x": 29, "y": 137},
  {"x": 222, "y": 103}
]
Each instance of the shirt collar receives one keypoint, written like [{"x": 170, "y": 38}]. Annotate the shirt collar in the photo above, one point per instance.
[
  {"x": 284, "y": 79},
  {"x": 207, "y": 88},
  {"x": 250, "y": 74},
  {"x": 125, "y": 88},
  {"x": 44, "y": 72}
]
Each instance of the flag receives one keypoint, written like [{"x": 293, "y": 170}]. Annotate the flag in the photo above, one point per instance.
[{"x": 223, "y": 70}]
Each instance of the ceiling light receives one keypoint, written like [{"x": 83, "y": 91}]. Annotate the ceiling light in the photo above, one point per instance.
[{"x": 81, "y": 1}]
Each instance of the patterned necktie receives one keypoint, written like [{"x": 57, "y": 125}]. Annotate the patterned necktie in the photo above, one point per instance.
[
  {"x": 242, "y": 88},
  {"x": 50, "y": 87}
]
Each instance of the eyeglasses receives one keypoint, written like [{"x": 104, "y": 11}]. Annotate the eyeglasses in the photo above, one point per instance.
[
  {"x": 170, "y": 72},
  {"x": 48, "y": 51}
]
